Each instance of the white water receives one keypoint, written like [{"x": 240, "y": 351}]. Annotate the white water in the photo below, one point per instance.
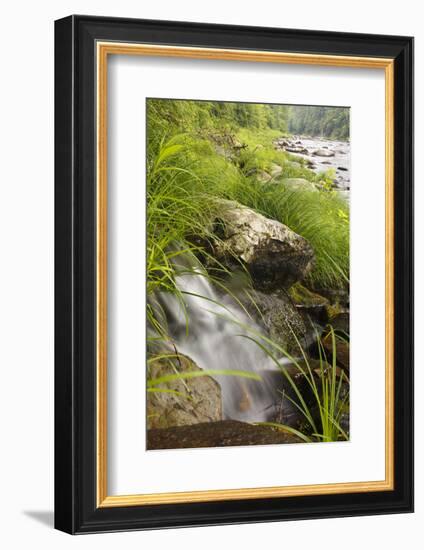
[
  {"x": 340, "y": 161},
  {"x": 216, "y": 341}
]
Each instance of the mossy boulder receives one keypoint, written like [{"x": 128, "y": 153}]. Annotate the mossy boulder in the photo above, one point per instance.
[
  {"x": 310, "y": 303},
  {"x": 303, "y": 296},
  {"x": 182, "y": 401}
]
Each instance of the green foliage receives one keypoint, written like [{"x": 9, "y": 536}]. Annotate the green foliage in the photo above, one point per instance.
[
  {"x": 187, "y": 176},
  {"x": 330, "y": 122},
  {"x": 153, "y": 382},
  {"x": 319, "y": 217},
  {"x": 167, "y": 117},
  {"x": 264, "y": 138},
  {"x": 329, "y": 387},
  {"x": 199, "y": 152}
]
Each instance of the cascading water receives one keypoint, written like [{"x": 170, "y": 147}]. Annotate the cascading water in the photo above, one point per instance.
[{"x": 217, "y": 339}]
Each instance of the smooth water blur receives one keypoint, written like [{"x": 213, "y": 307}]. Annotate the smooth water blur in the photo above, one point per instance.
[{"x": 217, "y": 339}]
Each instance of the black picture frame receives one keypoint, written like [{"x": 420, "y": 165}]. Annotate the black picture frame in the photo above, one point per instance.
[{"x": 76, "y": 510}]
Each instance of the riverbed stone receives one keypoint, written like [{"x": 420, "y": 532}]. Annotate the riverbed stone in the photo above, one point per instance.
[
  {"x": 299, "y": 149},
  {"x": 274, "y": 255},
  {"x": 323, "y": 153},
  {"x": 183, "y": 401}
]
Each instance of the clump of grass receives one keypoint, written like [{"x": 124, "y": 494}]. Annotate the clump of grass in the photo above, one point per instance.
[
  {"x": 322, "y": 219},
  {"x": 182, "y": 203},
  {"x": 328, "y": 387},
  {"x": 260, "y": 159},
  {"x": 254, "y": 136},
  {"x": 186, "y": 177}
]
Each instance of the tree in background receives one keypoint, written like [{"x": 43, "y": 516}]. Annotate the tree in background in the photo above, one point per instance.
[{"x": 329, "y": 122}]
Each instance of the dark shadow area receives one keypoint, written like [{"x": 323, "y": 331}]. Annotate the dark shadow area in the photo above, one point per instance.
[{"x": 46, "y": 517}]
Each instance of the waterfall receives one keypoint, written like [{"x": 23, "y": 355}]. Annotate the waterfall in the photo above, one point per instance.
[{"x": 217, "y": 339}]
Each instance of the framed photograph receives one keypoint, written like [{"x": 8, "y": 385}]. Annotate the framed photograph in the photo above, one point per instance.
[{"x": 234, "y": 274}]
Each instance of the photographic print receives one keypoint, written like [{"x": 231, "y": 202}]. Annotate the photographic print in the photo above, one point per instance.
[
  {"x": 247, "y": 273},
  {"x": 211, "y": 263}
]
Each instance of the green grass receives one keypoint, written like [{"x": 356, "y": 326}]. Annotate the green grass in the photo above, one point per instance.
[
  {"x": 329, "y": 388},
  {"x": 187, "y": 174},
  {"x": 321, "y": 218},
  {"x": 186, "y": 177},
  {"x": 253, "y": 137}
]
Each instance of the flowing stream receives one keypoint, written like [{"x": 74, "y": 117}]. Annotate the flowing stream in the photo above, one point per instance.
[
  {"x": 322, "y": 154},
  {"x": 218, "y": 339}
]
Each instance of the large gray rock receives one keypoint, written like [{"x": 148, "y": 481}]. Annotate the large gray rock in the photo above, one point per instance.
[
  {"x": 274, "y": 255},
  {"x": 183, "y": 401}
]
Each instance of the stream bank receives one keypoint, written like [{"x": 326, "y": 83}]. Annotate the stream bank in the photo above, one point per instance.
[{"x": 254, "y": 328}]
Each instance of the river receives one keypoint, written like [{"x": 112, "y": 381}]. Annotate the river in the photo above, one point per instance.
[{"x": 322, "y": 154}]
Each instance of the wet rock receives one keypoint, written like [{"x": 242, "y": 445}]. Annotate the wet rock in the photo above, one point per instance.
[
  {"x": 297, "y": 149},
  {"x": 310, "y": 303},
  {"x": 227, "y": 433},
  {"x": 338, "y": 297},
  {"x": 279, "y": 317},
  {"x": 184, "y": 401},
  {"x": 323, "y": 153},
  {"x": 300, "y": 374},
  {"x": 342, "y": 351},
  {"x": 280, "y": 143},
  {"x": 340, "y": 322},
  {"x": 274, "y": 255}
]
